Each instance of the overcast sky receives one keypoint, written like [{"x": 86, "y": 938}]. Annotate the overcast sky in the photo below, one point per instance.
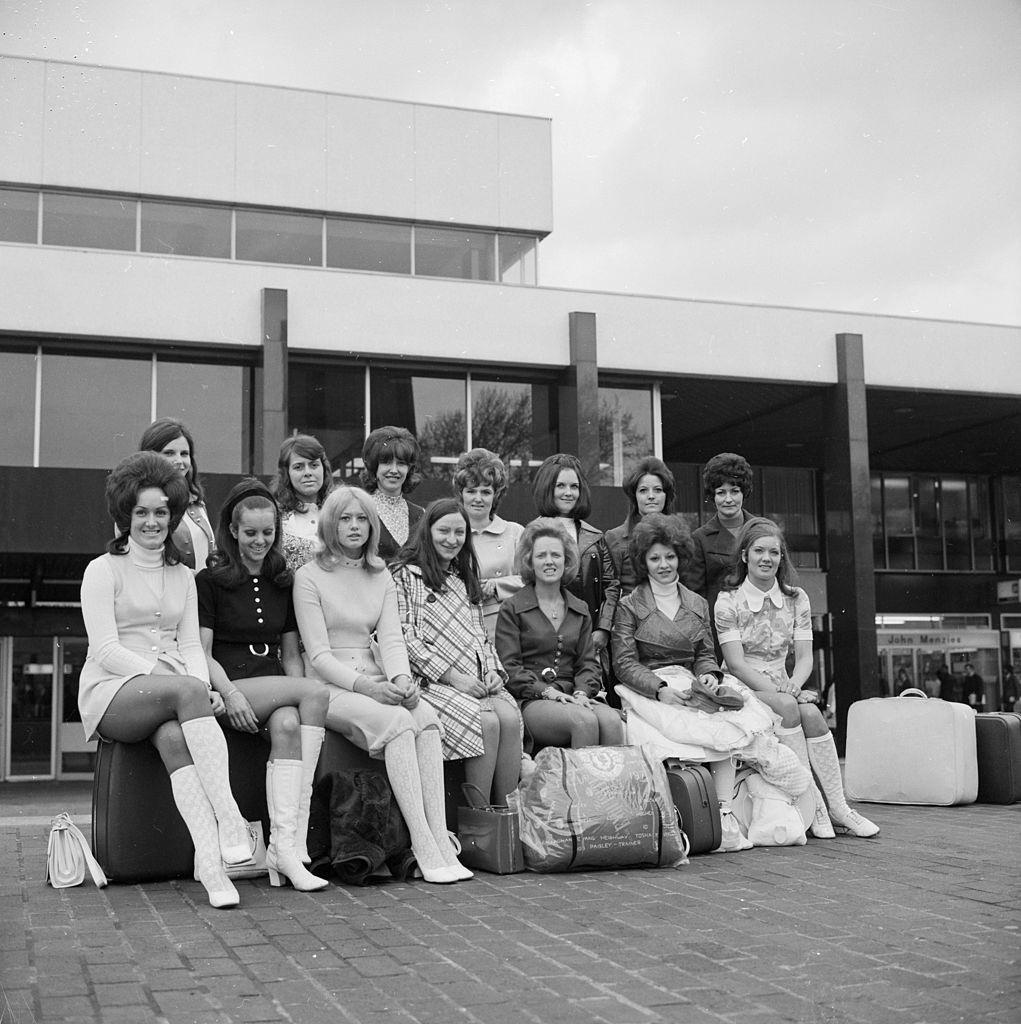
[{"x": 837, "y": 154}]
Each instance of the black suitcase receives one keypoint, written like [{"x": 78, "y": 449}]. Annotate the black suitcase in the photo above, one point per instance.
[
  {"x": 998, "y": 741},
  {"x": 137, "y": 833},
  {"x": 694, "y": 795}
]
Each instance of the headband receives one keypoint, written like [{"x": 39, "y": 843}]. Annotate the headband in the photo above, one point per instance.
[{"x": 253, "y": 489}]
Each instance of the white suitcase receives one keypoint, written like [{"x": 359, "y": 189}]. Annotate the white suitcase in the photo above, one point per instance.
[{"x": 902, "y": 750}]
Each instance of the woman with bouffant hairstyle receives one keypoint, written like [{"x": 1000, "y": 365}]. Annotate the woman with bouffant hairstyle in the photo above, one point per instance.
[
  {"x": 141, "y": 616},
  {"x": 544, "y": 640},
  {"x": 391, "y": 457}
]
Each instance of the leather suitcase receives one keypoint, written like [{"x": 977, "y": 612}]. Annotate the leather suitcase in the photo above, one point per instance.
[
  {"x": 911, "y": 749},
  {"x": 695, "y": 798},
  {"x": 998, "y": 736},
  {"x": 137, "y": 833}
]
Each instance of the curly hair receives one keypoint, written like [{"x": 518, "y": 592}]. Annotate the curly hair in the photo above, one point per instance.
[
  {"x": 545, "y": 483},
  {"x": 481, "y": 468},
  {"x": 159, "y": 434},
  {"x": 727, "y": 468},
  {"x": 658, "y": 528},
  {"x": 384, "y": 445},
  {"x": 650, "y": 466},
  {"x": 328, "y": 528},
  {"x": 225, "y": 564},
  {"x": 421, "y": 551},
  {"x": 754, "y": 529},
  {"x": 535, "y": 531},
  {"x": 128, "y": 479},
  {"x": 305, "y": 446}
]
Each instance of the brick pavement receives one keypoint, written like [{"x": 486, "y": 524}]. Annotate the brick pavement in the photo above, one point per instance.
[{"x": 918, "y": 925}]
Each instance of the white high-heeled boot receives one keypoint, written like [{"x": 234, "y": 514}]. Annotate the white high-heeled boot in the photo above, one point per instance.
[
  {"x": 312, "y": 737},
  {"x": 281, "y": 855},
  {"x": 794, "y": 738},
  {"x": 430, "y": 770},
  {"x": 195, "y": 809},
  {"x": 822, "y": 752},
  {"x": 208, "y": 750}
]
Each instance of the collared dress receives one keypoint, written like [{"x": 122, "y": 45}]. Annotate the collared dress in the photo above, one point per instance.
[
  {"x": 767, "y": 624},
  {"x": 495, "y": 546},
  {"x": 527, "y": 642},
  {"x": 298, "y": 538},
  {"x": 444, "y": 630}
]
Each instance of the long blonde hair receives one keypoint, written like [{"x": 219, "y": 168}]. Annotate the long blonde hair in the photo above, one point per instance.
[{"x": 331, "y": 553}]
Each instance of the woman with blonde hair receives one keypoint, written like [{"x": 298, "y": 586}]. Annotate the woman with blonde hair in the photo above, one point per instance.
[{"x": 346, "y": 605}]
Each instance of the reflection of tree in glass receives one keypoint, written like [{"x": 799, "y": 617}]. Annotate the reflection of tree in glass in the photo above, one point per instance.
[
  {"x": 621, "y": 443},
  {"x": 501, "y": 422}
]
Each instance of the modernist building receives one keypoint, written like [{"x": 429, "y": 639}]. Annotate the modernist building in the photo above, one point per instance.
[{"x": 261, "y": 260}]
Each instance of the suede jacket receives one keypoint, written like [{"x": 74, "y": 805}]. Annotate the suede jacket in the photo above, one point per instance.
[{"x": 645, "y": 639}]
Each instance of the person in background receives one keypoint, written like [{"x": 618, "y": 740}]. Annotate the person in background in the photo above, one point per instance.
[
  {"x": 346, "y": 605},
  {"x": 480, "y": 482},
  {"x": 250, "y": 638},
  {"x": 145, "y": 676},
  {"x": 1011, "y": 688},
  {"x": 727, "y": 482},
  {"x": 193, "y": 536},
  {"x": 440, "y": 602},
  {"x": 973, "y": 690},
  {"x": 544, "y": 640},
  {"x": 649, "y": 488},
  {"x": 390, "y": 458},
  {"x": 304, "y": 479}
]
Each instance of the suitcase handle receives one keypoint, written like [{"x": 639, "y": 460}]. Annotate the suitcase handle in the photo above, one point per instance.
[{"x": 913, "y": 691}]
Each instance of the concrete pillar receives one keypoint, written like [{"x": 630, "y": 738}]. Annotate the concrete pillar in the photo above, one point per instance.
[
  {"x": 579, "y": 396},
  {"x": 271, "y": 411},
  {"x": 850, "y": 580}
]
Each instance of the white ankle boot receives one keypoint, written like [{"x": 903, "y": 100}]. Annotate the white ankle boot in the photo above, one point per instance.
[
  {"x": 312, "y": 737},
  {"x": 281, "y": 855},
  {"x": 195, "y": 809},
  {"x": 734, "y": 839}
]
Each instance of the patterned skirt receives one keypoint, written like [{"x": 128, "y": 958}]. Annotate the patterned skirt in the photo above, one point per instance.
[{"x": 461, "y": 718}]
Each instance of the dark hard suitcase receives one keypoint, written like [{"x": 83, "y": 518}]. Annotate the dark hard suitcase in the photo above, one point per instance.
[
  {"x": 137, "y": 833},
  {"x": 998, "y": 736},
  {"x": 694, "y": 795}
]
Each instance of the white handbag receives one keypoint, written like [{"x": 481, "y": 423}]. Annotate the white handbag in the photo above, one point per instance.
[{"x": 68, "y": 855}]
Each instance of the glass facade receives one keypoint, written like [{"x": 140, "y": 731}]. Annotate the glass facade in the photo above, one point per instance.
[
  {"x": 517, "y": 259},
  {"x": 368, "y": 245},
  {"x": 625, "y": 431},
  {"x": 175, "y": 229},
  {"x": 455, "y": 252},
  {"x": 95, "y": 222},
  {"x": 19, "y": 216},
  {"x": 279, "y": 238},
  {"x": 514, "y": 420},
  {"x": 328, "y": 401},
  {"x": 31, "y": 718},
  {"x": 1012, "y": 522},
  {"x": 17, "y": 408}
]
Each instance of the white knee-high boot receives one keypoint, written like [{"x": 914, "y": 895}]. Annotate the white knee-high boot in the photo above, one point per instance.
[
  {"x": 281, "y": 856},
  {"x": 794, "y": 737},
  {"x": 822, "y": 752},
  {"x": 724, "y": 775},
  {"x": 208, "y": 750},
  {"x": 312, "y": 737},
  {"x": 402, "y": 769},
  {"x": 430, "y": 771},
  {"x": 193, "y": 804}
]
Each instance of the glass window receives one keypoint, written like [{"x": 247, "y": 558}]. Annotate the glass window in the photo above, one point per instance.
[
  {"x": 788, "y": 497},
  {"x": 900, "y": 530},
  {"x": 368, "y": 245},
  {"x": 279, "y": 238},
  {"x": 17, "y": 408},
  {"x": 98, "y": 222},
  {"x": 329, "y": 403},
  {"x": 981, "y": 531},
  {"x": 19, "y": 215},
  {"x": 954, "y": 513},
  {"x": 929, "y": 547},
  {"x": 174, "y": 229},
  {"x": 517, "y": 259},
  {"x": 93, "y": 410},
  {"x": 213, "y": 400},
  {"x": 514, "y": 421},
  {"x": 878, "y": 536},
  {"x": 454, "y": 252},
  {"x": 432, "y": 408},
  {"x": 625, "y": 431},
  {"x": 1012, "y": 521},
  {"x": 31, "y": 743}
]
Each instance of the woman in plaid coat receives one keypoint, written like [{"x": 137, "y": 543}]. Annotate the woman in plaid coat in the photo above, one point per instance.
[{"x": 439, "y": 599}]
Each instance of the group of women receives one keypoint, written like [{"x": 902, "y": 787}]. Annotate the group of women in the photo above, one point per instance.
[{"x": 425, "y": 635}]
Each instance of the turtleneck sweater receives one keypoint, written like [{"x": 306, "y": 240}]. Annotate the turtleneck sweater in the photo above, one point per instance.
[{"x": 668, "y": 597}]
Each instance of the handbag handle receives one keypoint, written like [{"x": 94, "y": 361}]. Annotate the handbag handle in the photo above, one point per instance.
[
  {"x": 475, "y": 797},
  {"x": 913, "y": 691}
]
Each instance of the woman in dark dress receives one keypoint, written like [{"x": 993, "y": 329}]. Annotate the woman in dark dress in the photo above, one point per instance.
[
  {"x": 390, "y": 457},
  {"x": 249, "y": 634}
]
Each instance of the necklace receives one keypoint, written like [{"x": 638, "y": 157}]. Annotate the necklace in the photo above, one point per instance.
[{"x": 553, "y": 610}]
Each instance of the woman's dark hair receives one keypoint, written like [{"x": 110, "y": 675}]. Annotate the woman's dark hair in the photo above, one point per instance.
[
  {"x": 544, "y": 486},
  {"x": 305, "y": 446},
  {"x": 481, "y": 468},
  {"x": 159, "y": 434},
  {"x": 658, "y": 528},
  {"x": 648, "y": 466},
  {"x": 129, "y": 478},
  {"x": 727, "y": 468},
  {"x": 384, "y": 445},
  {"x": 421, "y": 551},
  {"x": 225, "y": 564},
  {"x": 752, "y": 530},
  {"x": 546, "y": 526}
]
